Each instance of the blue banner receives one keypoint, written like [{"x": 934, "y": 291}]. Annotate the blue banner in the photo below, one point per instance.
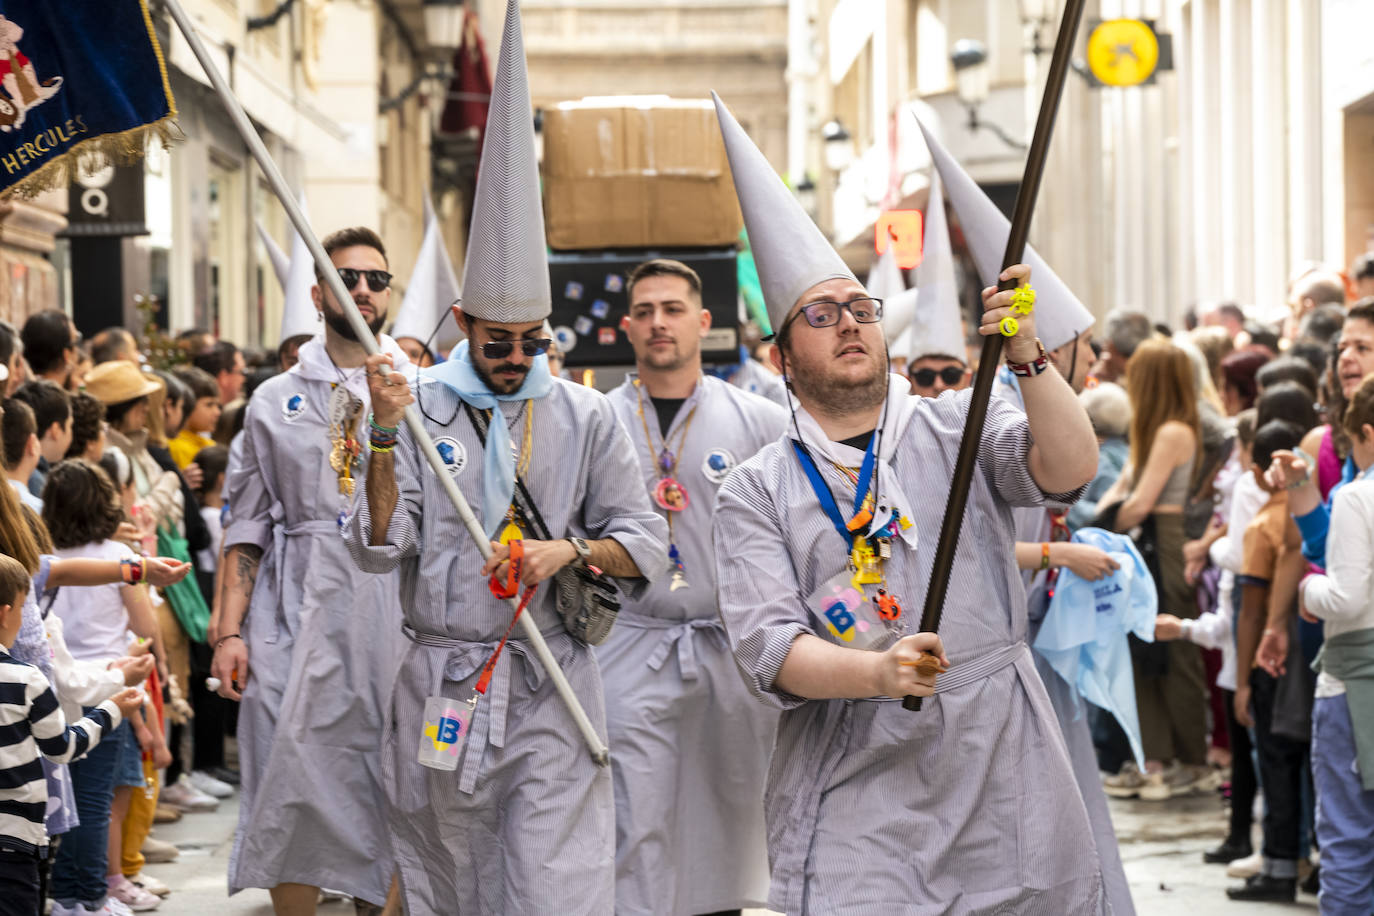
[{"x": 76, "y": 76}]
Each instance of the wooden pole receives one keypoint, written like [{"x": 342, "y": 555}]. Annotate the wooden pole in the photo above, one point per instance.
[{"x": 992, "y": 345}]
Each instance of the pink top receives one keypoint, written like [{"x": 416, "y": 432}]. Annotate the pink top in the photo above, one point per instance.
[{"x": 1328, "y": 465}]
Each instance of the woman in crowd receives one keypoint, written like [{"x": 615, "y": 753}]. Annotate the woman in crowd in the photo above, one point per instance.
[{"x": 1151, "y": 492}]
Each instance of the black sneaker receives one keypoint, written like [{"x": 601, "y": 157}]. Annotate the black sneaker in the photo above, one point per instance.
[
  {"x": 1265, "y": 888},
  {"x": 1312, "y": 884},
  {"x": 1227, "y": 852},
  {"x": 224, "y": 774}
]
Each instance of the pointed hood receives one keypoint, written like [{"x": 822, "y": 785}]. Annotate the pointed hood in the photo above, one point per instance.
[
  {"x": 887, "y": 282},
  {"x": 1059, "y": 316},
  {"x": 789, "y": 250},
  {"x": 936, "y": 327},
  {"x": 433, "y": 287},
  {"x": 281, "y": 264},
  {"x": 299, "y": 315},
  {"x": 506, "y": 277}
]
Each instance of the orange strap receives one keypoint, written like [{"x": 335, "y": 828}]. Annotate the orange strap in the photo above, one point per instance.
[
  {"x": 514, "y": 568},
  {"x": 490, "y": 666}
]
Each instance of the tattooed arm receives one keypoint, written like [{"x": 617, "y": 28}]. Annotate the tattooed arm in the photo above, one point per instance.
[{"x": 241, "y": 563}]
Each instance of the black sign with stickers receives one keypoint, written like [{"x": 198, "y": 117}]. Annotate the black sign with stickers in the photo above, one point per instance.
[{"x": 590, "y": 304}]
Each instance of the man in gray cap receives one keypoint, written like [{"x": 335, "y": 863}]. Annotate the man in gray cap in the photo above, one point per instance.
[
  {"x": 690, "y": 746},
  {"x": 969, "y": 805},
  {"x": 508, "y": 814}
]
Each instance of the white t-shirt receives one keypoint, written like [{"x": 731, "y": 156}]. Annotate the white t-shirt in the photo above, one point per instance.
[
  {"x": 94, "y": 620},
  {"x": 214, "y": 520}
]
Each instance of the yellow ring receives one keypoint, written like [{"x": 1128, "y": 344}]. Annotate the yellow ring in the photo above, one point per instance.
[
  {"x": 1009, "y": 326},
  {"x": 1023, "y": 300}
]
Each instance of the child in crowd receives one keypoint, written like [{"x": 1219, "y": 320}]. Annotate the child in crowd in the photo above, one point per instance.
[
  {"x": 198, "y": 428},
  {"x": 35, "y": 728},
  {"x": 1217, "y": 631},
  {"x": 1271, "y": 545},
  {"x": 22, "y": 450},
  {"x": 88, "y": 428},
  {"x": 82, "y": 511},
  {"x": 1343, "y": 713}
]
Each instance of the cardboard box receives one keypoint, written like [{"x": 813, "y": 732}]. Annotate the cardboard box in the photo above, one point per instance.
[{"x": 637, "y": 172}]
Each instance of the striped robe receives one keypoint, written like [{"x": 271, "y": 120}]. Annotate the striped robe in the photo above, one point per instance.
[
  {"x": 968, "y": 806},
  {"x": 524, "y": 825},
  {"x": 690, "y": 746}
]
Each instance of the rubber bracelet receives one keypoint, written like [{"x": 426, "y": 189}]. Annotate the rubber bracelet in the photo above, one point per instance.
[
  {"x": 372, "y": 421},
  {"x": 382, "y": 449},
  {"x": 1045, "y": 555}
]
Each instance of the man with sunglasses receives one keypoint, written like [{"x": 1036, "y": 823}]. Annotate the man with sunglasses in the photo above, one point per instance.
[
  {"x": 934, "y": 373},
  {"x": 824, "y": 548},
  {"x": 690, "y": 746},
  {"x": 305, "y": 640},
  {"x": 518, "y": 819}
]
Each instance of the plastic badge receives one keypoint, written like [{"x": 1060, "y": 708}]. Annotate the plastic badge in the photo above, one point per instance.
[
  {"x": 846, "y": 615},
  {"x": 445, "y": 731}
]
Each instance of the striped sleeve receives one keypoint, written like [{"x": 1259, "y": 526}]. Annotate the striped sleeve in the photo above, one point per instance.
[
  {"x": 58, "y": 741},
  {"x": 1004, "y": 455}
]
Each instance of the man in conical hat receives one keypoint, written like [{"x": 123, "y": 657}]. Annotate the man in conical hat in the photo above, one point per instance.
[
  {"x": 824, "y": 548},
  {"x": 509, "y": 815},
  {"x": 1043, "y": 546}
]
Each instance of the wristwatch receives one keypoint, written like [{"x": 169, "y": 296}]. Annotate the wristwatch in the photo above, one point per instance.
[
  {"x": 584, "y": 553},
  {"x": 1034, "y": 367}
]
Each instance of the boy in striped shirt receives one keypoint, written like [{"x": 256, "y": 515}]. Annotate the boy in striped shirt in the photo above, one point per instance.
[{"x": 32, "y": 724}]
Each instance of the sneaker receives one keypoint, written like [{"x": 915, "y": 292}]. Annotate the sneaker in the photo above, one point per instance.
[
  {"x": 1227, "y": 852},
  {"x": 166, "y": 814},
  {"x": 131, "y": 895},
  {"x": 1265, "y": 888},
  {"x": 1247, "y": 867},
  {"x": 224, "y": 774},
  {"x": 109, "y": 907},
  {"x": 150, "y": 884},
  {"x": 157, "y": 852},
  {"x": 182, "y": 794},
  {"x": 210, "y": 785},
  {"x": 1125, "y": 784},
  {"x": 1156, "y": 788}
]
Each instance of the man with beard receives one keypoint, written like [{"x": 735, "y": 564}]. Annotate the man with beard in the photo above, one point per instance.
[
  {"x": 514, "y": 817},
  {"x": 313, "y": 661},
  {"x": 967, "y": 806},
  {"x": 690, "y": 745}
]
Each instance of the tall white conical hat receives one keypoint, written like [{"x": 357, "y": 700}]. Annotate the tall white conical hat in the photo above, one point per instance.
[
  {"x": 1059, "y": 316},
  {"x": 299, "y": 315},
  {"x": 789, "y": 250},
  {"x": 432, "y": 289},
  {"x": 886, "y": 282},
  {"x": 281, "y": 264},
  {"x": 936, "y": 327},
  {"x": 506, "y": 277}
]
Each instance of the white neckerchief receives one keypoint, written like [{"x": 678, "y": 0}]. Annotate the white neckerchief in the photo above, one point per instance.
[
  {"x": 901, "y": 404},
  {"x": 314, "y": 363}
]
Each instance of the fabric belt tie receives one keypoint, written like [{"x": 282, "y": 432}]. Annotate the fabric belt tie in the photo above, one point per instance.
[
  {"x": 681, "y": 633},
  {"x": 828, "y": 751},
  {"x": 281, "y": 533},
  {"x": 463, "y": 660}
]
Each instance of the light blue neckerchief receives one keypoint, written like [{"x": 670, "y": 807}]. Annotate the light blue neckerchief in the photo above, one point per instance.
[{"x": 498, "y": 470}]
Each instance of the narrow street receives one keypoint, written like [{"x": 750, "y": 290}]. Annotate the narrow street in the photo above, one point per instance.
[{"x": 1161, "y": 845}]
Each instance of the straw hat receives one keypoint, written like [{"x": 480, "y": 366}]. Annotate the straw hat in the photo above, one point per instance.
[{"x": 118, "y": 381}]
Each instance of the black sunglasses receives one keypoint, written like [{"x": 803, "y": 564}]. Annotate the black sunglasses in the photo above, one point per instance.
[
  {"x": 530, "y": 346},
  {"x": 377, "y": 280},
  {"x": 950, "y": 375},
  {"x": 826, "y": 313}
]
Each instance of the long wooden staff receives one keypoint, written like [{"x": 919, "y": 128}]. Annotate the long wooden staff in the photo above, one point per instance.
[
  {"x": 992, "y": 344},
  {"x": 600, "y": 753}
]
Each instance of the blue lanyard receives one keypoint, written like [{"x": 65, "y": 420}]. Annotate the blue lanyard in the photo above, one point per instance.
[{"x": 822, "y": 490}]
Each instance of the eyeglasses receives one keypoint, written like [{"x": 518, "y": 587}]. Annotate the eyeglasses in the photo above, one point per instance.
[
  {"x": 950, "y": 375},
  {"x": 377, "y": 280},
  {"x": 826, "y": 313},
  {"x": 530, "y": 346}
]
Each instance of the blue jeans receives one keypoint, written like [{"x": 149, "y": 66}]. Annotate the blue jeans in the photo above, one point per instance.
[
  {"x": 78, "y": 874},
  {"x": 1345, "y": 812}
]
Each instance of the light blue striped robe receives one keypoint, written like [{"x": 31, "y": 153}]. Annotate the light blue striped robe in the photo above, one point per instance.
[
  {"x": 524, "y": 826},
  {"x": 689, "y": 744},
  {"x": 968, "y": 806},
  {"x": 323, "y": 644}
]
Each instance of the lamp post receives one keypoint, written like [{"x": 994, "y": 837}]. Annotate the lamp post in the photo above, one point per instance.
[
  {"x": 971, "y": 80},
  {"x": 444, "y": 24},
  {"x": 839, "y": 145}
]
